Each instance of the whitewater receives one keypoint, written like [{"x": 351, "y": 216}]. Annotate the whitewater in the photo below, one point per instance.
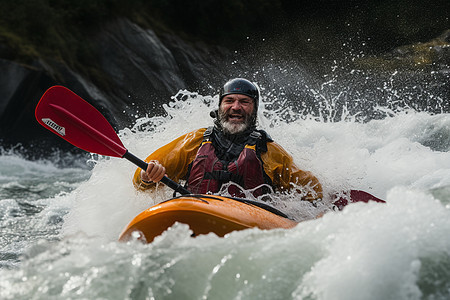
[{"x": 60, "y": 221}]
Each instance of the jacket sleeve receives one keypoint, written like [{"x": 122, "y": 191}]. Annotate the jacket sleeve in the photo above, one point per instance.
[
  {"x": 285, "y": 175},
  {"x": 175, "y": 157}
]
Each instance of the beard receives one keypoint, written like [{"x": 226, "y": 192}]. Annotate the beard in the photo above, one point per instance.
[{"x": 232, "y": 127}]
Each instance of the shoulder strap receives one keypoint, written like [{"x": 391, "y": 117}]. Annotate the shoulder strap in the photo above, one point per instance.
[
  {"x": 253, "y": 138},
  {"x": 262, "y": 142},
  {"x": 207, "y": 134}
]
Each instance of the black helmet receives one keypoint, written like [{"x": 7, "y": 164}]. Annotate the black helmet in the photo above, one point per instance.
[{"x": 240, "y": 86}]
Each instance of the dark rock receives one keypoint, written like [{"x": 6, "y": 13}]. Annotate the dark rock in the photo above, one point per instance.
[
  {"x": 21, "y": 88},
  {"x": 202, "y": 67},
  {"x": 138, "y": 64},
  {"x": 10, "y": 78},
  {"x": 139, "y": 70},
  {"x": 142, "y": 72},
  {"x": 433, "y": 55}
]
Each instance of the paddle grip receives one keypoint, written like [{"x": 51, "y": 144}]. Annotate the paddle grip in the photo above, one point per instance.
[{"x": 167, "y": 181}]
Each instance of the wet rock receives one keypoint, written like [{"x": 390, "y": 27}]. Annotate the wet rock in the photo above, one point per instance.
[
  {"x": 433, "y": 55},
  {"x": 140, "y": 72}
]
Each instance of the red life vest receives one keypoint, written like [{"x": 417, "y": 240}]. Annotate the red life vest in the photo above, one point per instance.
[{"x": 208, "y": 173}]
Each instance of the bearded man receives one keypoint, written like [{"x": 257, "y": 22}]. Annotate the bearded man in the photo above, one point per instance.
[{"x": 232, "y": 157}]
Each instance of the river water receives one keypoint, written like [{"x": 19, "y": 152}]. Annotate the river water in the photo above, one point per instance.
[{"x": 61, "y": 217}]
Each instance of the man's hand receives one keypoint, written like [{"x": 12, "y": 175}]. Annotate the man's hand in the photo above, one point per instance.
[{"x": 154, "y": 173}]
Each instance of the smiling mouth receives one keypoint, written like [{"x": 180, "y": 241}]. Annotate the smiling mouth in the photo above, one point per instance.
[{"x": 235, "y": 118}]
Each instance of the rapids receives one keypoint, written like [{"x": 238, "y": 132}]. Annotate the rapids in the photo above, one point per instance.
[{"x": 60, "y": 222}]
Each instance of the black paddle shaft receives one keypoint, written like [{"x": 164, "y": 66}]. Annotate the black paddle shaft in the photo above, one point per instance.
[{"x": 167, "y": 181}]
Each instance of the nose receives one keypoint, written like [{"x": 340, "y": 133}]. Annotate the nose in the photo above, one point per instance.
[{"x": 236, "y": 105}]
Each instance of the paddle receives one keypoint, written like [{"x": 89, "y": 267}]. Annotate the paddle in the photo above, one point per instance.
[{"x": 67, "y": 115}]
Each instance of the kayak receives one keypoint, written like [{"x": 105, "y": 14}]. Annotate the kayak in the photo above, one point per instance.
[
  {"x": 70, "y": 117},
  {"x": 205, "y": 214},
  {"x": 218, "y": 214}
]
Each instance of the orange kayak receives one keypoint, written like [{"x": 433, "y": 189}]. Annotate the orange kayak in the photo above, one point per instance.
[{"x": 205, "y": 214}]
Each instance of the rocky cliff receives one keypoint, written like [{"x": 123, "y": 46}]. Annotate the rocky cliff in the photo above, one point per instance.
[{"x": 138, "y": 70}]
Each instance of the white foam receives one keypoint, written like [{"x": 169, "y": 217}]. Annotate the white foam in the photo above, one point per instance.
[{"x": 375, "y": 156}]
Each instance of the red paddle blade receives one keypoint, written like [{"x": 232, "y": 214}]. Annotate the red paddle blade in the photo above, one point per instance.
[{"x": 67, "y": 115}]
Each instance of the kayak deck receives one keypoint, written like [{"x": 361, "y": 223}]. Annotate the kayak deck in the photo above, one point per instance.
[{"x": 205, "y": 214}]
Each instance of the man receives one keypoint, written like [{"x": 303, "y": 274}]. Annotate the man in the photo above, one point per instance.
[{"x": 232, "y": 157}]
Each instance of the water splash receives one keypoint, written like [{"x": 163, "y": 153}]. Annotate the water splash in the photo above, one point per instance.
[{"x": 374, "y": 251}]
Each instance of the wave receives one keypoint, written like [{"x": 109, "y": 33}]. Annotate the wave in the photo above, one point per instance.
[{"x": 397, "y": 250}]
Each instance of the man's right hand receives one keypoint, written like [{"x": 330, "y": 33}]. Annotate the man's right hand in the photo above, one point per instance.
[{"x": 154, "y": 173}]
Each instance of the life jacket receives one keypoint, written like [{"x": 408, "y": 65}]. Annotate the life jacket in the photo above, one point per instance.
[{"x": 208, "y": 173}]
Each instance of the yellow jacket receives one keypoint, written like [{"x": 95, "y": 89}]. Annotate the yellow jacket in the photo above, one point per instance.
[{"x": 277, "y": 163}]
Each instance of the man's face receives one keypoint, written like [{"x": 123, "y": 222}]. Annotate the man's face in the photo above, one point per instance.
[{"x": 235, "y": 113}]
